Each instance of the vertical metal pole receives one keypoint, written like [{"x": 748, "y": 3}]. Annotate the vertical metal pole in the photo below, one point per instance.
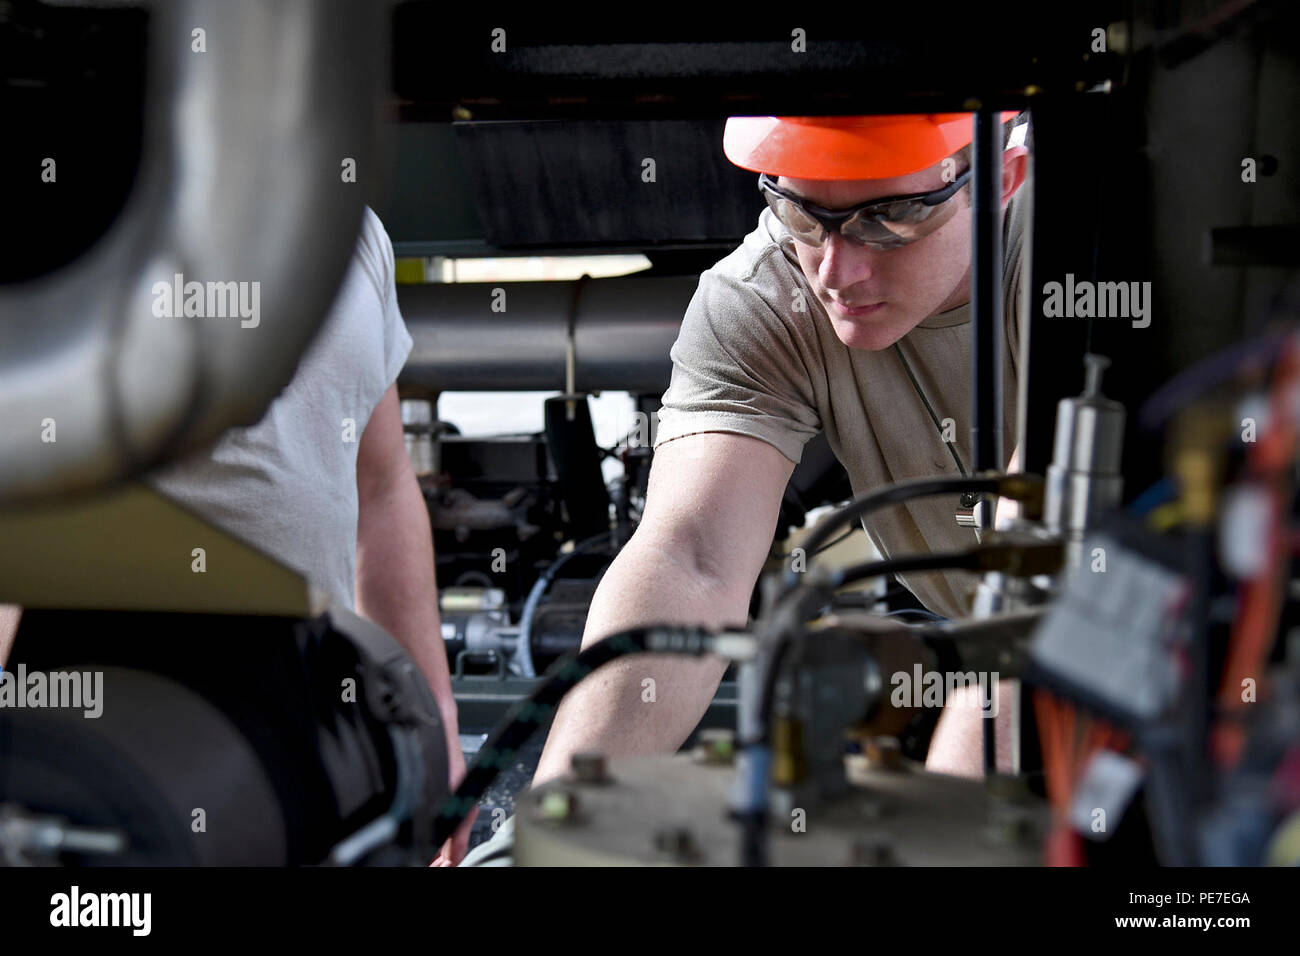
[
  {"x": 986, "y": 327},
  {"x": 986, "y": 292}
]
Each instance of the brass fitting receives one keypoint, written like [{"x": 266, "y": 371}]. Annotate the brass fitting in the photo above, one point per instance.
[
  {"x": 1026, "y": 489},
  {"x": 788, "y": 764}
]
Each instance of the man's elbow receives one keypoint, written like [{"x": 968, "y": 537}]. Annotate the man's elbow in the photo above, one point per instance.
[{"x": 694, "y": 569}]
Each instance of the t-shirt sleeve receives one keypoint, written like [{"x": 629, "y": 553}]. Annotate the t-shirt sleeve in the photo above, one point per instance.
[
  {"x": 397, "y": 340},
  {"x": 737, "y": 368}
]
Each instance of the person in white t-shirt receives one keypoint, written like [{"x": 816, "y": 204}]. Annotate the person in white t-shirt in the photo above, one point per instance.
[{"x": 324, "y": 483}]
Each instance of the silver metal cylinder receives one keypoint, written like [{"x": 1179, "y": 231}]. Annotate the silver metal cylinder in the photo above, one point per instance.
[
  {"x": 417, "y": 424},
  {"x": 1084, "y": 478},
  {"x": 513, "y": 336}
]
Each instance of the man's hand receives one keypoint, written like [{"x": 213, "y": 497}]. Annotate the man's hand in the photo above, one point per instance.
[{"x": 457, "y": 845}]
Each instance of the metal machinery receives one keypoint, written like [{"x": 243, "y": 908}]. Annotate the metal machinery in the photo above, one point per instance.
[
  {"x": 1142, "y": 599},
  {"x": 248, "y": 722}
]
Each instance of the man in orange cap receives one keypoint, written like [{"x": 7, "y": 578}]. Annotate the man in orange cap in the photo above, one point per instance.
[{"x": 846, "y": 311}]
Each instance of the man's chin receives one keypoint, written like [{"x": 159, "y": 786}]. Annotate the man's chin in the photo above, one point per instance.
[{"x": 871, "y": 333}]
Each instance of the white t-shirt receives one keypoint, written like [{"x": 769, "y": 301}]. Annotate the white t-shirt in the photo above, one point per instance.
[{"x": 288, "y": 485}]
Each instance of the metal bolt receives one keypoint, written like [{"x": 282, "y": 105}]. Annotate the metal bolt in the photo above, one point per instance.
[
  {"x": 557, "y": 805},
  {"x": 716, "y": 746},
  {"x": 588, "y": 766},
  {"x": 885, "y": 753}
]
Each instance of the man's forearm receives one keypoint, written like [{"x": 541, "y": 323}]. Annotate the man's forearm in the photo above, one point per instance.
[
  {"x": 10, "y": 615},
  {"x": 395, "y": 582},
  {"x": 643, "y": 704}
]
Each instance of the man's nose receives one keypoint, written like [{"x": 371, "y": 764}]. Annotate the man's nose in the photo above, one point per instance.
[{"x": 844, "y": 263}]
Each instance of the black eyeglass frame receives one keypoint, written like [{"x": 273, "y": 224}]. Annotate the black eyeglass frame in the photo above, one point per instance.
[{"x": 832, "y": 219}]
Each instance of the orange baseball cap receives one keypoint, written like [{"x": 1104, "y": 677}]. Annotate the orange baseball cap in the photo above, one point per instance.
[{"x": 846, "y": 147}]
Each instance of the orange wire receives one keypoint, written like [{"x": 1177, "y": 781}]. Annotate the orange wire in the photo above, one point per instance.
[{"x": 1255, "y": 626}]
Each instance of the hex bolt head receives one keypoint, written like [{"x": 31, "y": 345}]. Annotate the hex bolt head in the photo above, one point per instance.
[
  {"x": 557, "y": 805},
  {"x": 588, "y": 766},
  {"x": 885, "y": 753}
]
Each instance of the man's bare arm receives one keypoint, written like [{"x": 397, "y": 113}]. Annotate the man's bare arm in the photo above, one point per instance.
[
  {"x": 957, "y": 746},
  {"x": 395, "y": 582},
  {"x": 711, "y": 511},
  {"x": 395, "y": 578},
  {"x": 10, "y": 614}
]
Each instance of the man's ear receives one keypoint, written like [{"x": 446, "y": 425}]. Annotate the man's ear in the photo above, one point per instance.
[{"x": 1015, "y": 166}]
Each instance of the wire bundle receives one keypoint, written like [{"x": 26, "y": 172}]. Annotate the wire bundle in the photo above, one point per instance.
[{"x": 1069, "y": 740}]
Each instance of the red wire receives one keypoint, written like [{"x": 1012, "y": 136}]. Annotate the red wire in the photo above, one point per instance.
[{"x": 1260, "y": 602}]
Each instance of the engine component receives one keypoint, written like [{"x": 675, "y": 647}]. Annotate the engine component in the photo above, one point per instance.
[
  {"x": 666, "y": 811},
  {"x": 1084, "y": 480},
  {"x": 572, "y": 444},
  {"x": 622, "y": 331},
  {"x": 418, "y": 429},
  {"x": 327, "y": 748},
  {"x": 230, "y": 195},
  {"x": 1113, "y": 635}
]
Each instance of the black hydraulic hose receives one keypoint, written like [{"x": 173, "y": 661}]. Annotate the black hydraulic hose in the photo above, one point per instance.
[
  {"x": 530, "y": 714},
  {"x": 883, "y": 497},
  {"x": 538, "y": 591},
  {"x": 970, "y": 560}
]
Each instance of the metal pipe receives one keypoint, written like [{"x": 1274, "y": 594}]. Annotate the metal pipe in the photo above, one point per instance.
[
  {"x": 986, "y": 291},
  {"x": 623, "y": 331},
  {"x": 240, "y": 187},
  {"x": 986, "y": 326}
]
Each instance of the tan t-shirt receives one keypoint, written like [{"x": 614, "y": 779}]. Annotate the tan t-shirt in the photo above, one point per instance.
[{"x": 747, "y": 362}]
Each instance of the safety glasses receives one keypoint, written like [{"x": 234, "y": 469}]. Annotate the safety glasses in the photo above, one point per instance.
[{"x": 880, "y": 224}]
